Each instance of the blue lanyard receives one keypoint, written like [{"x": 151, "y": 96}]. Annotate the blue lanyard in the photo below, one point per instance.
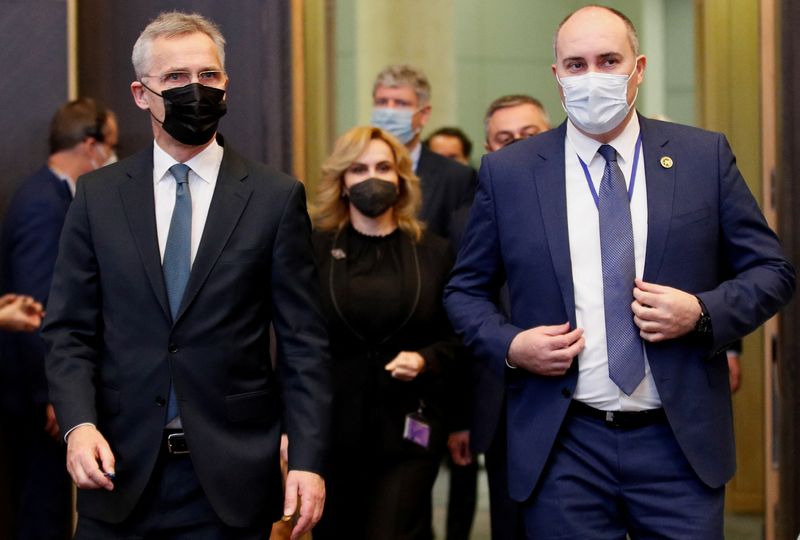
[{"x": 633, "y": 174}]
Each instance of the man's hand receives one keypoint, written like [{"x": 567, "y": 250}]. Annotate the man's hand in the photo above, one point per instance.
[
  {"x": 406, "y": 365},
  {"x": 458, "y": 444},
  {"x": 88, "y": 457},
  {"x": 662, "y": 312},
  {"x": 50, "y": 423},
  {"x": 310, "y": 489},
  {"x": 20, "y": 313},
  {"x": 546, "y": 350}
]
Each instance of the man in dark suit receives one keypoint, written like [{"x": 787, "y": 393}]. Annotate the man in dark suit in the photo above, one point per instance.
[
  {"x": 172, "y": 265},
  {"x": 619, "y": 414},
  {"x": 401, "y": 105},
  {"x": 41, "y": 489},
  {"x": 508, "y": 119}
]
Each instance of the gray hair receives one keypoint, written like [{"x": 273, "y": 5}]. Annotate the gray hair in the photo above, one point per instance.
[
  {"x": 172, "y": 24},
  {"x": 633, "y": 37},
  {"x": 512, "y": 100},
  {"x": 398, "y": 75}
]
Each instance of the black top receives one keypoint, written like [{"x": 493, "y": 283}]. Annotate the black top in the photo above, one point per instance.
[
  {"x": 381, "y": 296},
  {"x": 373, "y": 300}
]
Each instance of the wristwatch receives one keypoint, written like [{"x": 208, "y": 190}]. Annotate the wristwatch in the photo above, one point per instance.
[{"x": 703, "y": 325}]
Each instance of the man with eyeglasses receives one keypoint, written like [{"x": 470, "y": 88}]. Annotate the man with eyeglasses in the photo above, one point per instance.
[
  {"x": 513, "y": 118},
  {"x": 81, "y": 135},
  {"x": 173, "y": 263}
]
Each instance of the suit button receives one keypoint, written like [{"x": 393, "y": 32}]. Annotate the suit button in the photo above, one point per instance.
[
  {"x": 172, "y": 348},
  {"x": 160, "y": 401},
  {"x": 566, "y": 392}
]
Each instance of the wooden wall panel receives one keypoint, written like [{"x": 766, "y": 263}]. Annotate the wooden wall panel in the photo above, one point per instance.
[
  {"x": 788, "y": 197},
  {"x": 34, "y": 83},
  {"x": 33, "y": 53}
]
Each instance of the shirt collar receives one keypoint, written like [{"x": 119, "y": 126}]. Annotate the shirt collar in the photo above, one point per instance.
[
  {"x": 66, "y": 178},
  {"x": 624, "y": 143},
  {"x": 205, "y": 164}
]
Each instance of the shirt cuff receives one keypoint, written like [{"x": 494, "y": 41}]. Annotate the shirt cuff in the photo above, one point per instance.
[{"x": 76, "y": 427}]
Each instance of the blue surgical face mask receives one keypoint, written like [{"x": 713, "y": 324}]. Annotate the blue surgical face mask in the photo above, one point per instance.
[
  {"x": 597, "y": 102},
  {"x": 398, "y": 122}
]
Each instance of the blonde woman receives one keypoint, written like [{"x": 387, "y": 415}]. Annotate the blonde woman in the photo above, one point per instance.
[{"x": 382, "y": 279}]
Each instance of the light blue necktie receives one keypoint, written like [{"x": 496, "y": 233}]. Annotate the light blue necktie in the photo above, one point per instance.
[
  {"x": 178, "y": 256},
  {"x": 625, "y": 354}
]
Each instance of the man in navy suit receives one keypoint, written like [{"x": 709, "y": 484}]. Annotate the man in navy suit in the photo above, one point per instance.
[
  {"x": 40, "y": 485},
  {"x": 619, "y": 413},
  {"x": 172, "y": 265}
]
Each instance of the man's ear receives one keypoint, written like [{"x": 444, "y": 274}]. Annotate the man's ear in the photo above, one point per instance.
[
  {"x": 424, "y": 115},
  {"x": 138, "y": 91}
]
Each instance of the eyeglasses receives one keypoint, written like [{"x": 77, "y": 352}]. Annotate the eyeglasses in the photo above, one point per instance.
[{"x": 182, "y": 78}]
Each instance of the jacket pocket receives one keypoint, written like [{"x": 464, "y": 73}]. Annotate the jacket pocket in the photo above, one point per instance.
[{"x": 257, "y": 406}]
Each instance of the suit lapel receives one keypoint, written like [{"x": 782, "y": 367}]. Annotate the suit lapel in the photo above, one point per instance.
[
  {"x": 227, "y": 204},
  {"x": 549, "y": 176},
  {"x": 139, "y": 206},
  {"x": 660, "y": 195}
]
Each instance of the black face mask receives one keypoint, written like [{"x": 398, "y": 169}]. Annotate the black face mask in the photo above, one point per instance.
[
  {"x": 374, "y": 196},
  {"x": 192, "y": 112}
]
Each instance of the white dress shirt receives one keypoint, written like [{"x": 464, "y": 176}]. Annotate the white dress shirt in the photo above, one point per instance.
[
  {"x": 202, "y": 180},
  {"x": 595, "y": 388}
]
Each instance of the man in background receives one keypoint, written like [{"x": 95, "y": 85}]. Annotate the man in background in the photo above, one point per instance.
[
  {"x": 450, "y": 142},
  {"x": 508, "y": 119},
  {"x": 41, "y": 489},
  {"x": 401, "y": 105},
  {"x": 513, "y": 118}
]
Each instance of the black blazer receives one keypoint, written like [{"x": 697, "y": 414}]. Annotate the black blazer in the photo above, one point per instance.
[
  {"x": 369, "y": 405},
  {"x": 113, "y": 343},
  {"x": 446, "y": 186},
  {"x": 30, "y": 243}
]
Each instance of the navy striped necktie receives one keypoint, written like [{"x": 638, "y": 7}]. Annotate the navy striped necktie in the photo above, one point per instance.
[{"x": 625, "y": 353}]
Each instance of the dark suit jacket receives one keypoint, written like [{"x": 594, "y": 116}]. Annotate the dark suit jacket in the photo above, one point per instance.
[
  {"x": 113, "y": 343},
  {"x": 702, "y": 222},
  {"x": 30, "y": 243},
  {"x": 446, "y": 186},
  {"x": 369, "y": 405},
  {"x": 478, "y": 391}
]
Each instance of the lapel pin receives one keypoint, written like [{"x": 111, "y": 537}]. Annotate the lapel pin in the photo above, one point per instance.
[
  {"x": 666, "y": 162},
  {"x": 338, "y": 254}
]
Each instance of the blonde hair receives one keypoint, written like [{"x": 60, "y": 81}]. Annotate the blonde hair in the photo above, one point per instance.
[
  {"x": 171, "y": 24},
  {"x": 331, "y": 211}
]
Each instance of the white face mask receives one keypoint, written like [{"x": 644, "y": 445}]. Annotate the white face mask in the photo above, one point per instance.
[{"x": 597, "y": 102}]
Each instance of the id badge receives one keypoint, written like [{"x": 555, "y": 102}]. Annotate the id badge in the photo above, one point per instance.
[{"x": 417, "y": 429}]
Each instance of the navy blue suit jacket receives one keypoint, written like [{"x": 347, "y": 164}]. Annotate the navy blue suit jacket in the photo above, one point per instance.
[
  {"x": 30, "y": 244},
  {"x": 703, "y": 224}
]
